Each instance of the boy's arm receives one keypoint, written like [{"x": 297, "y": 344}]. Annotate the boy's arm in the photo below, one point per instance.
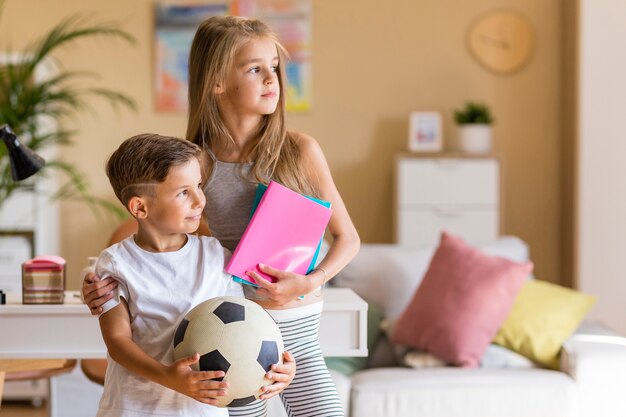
[{"x": 117, "y": 335}]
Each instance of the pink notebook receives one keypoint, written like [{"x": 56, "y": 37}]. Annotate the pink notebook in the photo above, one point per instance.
[{"x": 284, "y": 233}]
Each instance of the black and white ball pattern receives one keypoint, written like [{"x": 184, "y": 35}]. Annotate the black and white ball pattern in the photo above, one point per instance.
[{"x": 233, "y": 335}]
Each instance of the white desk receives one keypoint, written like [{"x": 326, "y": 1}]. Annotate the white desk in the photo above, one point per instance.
[{"x": 69, "y": 331}]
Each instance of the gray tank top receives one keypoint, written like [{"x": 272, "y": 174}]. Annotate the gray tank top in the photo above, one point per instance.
[{"x": 229, "y": 199}]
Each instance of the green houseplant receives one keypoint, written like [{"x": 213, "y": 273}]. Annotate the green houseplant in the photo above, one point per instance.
[
  {"x": 28, "y": 103},
  {"x": 474, "y": 122}
]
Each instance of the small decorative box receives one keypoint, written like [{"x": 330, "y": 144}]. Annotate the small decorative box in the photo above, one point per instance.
[{"x": 43, "y": 280}]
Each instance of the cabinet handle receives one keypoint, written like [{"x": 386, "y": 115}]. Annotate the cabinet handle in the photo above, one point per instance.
[
  {"x": 451, "y": 214},
  {"x": 447, "y": 164}
]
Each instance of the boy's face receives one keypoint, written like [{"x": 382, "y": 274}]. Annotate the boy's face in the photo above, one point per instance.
[{"x": 178, "y": 202}]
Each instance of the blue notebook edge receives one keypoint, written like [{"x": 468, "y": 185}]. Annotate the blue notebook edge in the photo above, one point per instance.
[{"x": 260, "y": 190}]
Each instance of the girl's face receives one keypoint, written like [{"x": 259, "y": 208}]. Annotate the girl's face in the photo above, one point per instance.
[{"x": 252, "y": 86}]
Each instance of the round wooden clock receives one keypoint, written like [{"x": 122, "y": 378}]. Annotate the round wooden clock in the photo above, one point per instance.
[{"x": 501, "y": 41}]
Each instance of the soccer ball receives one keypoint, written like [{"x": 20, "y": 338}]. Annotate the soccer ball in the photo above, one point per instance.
[{"x": 233, "y": 335}]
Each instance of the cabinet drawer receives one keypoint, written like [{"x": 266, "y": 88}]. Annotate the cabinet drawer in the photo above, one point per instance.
[
  {"x": 447, "y": 181},
  {"x": 417, "y": 227}
]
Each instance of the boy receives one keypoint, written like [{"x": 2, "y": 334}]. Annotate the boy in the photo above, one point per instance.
[{"x": 162, "y": 271}]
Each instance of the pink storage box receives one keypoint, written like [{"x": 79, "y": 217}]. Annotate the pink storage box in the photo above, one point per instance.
[{"x": 43, "y": 280}]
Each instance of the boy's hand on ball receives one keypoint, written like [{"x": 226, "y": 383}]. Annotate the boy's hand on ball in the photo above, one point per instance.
[
  {"x": 199, "y": 385},
  {"x": 281, "y": 374}
]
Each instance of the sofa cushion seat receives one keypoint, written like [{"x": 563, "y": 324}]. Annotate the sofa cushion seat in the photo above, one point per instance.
[{"x": 452, "y": 392}]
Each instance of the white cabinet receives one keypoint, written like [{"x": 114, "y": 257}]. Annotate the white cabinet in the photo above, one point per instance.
[{"x": 460, "y": 195}]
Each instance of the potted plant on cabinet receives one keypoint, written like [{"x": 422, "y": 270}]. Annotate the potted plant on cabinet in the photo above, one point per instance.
[
  {"x": 474, "y": 127},
  {"x": 35, "y": 107}
]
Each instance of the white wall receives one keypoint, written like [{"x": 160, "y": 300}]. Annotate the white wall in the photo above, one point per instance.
[{"x": 601, "y": 200}]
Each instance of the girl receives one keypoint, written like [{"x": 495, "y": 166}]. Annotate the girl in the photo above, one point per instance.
[{"x": 237, "y": 114}]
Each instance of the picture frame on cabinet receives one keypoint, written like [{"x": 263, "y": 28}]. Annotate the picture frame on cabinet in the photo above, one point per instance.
[
  {"x": 16, "y": 246},
  {"x": 425, "y": 131}
]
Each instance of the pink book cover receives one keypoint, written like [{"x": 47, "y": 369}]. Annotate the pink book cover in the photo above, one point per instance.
[{"x": 284, "y": 233}]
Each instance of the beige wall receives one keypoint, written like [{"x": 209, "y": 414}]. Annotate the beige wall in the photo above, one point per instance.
[{"x": 374, "y": 62}]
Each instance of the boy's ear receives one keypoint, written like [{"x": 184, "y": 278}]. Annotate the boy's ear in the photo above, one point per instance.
[{"x": 137, "y": 207}]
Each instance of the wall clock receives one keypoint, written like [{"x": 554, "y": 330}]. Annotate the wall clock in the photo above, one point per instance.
[{"x": 501, "y": 41}]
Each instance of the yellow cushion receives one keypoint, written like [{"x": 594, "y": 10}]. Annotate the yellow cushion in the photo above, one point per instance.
[{"x": 543, "y": 316}]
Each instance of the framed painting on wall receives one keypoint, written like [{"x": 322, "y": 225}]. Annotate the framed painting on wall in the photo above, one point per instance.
[{"x": 175, "y": 27}]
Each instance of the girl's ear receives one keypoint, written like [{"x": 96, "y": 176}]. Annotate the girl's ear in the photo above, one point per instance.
[
  {"x": 218, "y": 89},
  {"x": 137, "y": 207}
]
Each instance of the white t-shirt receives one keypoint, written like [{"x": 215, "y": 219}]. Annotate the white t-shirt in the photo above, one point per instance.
[{"x": 160, "y": 288}]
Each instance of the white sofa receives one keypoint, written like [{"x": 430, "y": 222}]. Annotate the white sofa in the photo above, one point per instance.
[{"x": 592, "y": 381}]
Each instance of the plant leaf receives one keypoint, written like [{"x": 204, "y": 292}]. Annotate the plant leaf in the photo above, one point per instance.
[
  {"x": 24, "y": 104},
  {"x": 77, "y": 188},
  {"x": 69, "y": 30}
]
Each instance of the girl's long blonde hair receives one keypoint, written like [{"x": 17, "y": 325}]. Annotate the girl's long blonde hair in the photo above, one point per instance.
[{"x": 274, "y": 153}]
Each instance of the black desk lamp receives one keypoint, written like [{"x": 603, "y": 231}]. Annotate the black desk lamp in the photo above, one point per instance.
[{"x": 24, "y": 162}]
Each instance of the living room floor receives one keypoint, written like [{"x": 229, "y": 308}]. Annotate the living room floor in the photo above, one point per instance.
[{"x": 21, "y": 409}]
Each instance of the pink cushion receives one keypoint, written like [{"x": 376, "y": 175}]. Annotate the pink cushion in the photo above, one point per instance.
[{"x": 461, "y": 303}]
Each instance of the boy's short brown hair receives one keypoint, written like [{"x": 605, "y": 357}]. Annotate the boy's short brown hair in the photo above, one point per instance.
[{"x": 145, "y": 160}]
